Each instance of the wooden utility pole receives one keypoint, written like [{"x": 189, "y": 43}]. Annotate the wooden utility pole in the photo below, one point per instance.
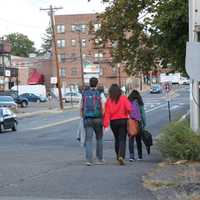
[
  {"x": 78, "y": 29},
  {"x": 51, "y": 14}
]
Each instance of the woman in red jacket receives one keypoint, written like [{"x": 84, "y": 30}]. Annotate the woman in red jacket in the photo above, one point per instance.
[{"x": 117, "y": 109}]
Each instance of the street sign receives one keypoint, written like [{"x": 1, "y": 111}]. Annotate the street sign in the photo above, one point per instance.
[
  {"x": 7, "y": 73},
  {"x": 167, "y": 87},
  {"x": 53, "y": 80}
]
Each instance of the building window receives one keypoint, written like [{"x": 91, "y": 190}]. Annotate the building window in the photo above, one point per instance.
[
  {"x": 73, "y": 43},
  {"x": 98, "y": 42},
  {"x": 73, "y": 27},
  {"x": 74, "y": 71},
  {"x": 83, "y": 28},
  {"x": 60, "y": 43},
  {"x": 83, "y": 56},
  {"x": 62, "y": 72},
  {"x": 73, "y": 56},
  {"x": 98, "y": 56},
  {"x": 114, "y": 70},
  {"x": 97, "y": 27},
  {"x": 60, "y": 28},
  {"x": 83, "y": 42},
  {"x": 61, "y": 57}
]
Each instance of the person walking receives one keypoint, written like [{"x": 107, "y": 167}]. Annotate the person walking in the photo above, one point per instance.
[
  {"x": 117, "y": 109},
  {"x": 91, "y": 111},
  {"x": 138, "y": 114}
]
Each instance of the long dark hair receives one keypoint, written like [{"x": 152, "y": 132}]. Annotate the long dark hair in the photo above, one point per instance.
[
  {"x": 115, "y": 92},
  {"x": 135, "y": 95}
]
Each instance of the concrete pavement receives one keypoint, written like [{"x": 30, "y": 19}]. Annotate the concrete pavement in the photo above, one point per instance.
[{"x": 48, "y": 163}]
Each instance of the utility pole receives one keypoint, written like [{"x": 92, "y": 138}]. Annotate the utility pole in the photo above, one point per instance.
[
  {"x": 78, "y": 29},
  {"x": 51, "y": 13},
  {"x": 119, "y": 74},
  {"x": 194, "y": 85}
]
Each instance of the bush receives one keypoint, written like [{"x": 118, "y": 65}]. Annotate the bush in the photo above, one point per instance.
[{"x": 178, "y": 142}]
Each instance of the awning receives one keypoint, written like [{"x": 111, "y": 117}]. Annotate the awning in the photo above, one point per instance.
[{"x": 35, "y": 78}]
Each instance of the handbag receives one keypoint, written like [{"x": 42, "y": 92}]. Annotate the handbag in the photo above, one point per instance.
[
  {"x": 133, "y": 127},
  {"x": 147, "y": 139}
]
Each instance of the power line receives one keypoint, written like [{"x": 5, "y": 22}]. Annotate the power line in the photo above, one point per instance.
[{"x": 23, "y": 25}]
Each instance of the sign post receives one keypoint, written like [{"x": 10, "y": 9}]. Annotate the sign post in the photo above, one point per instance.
[{"x": 167, "y": 89}]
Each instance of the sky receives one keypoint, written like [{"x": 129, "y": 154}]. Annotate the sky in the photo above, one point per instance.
[{"x": 24, "y": 16}]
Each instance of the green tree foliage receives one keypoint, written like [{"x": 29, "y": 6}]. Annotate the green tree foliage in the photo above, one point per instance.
[
  {"x": 47, "y": 42},
  {"x": 166, "y": 24},
  {"x": 21, "y": 44},
  {"x": 120, "y": 25},
  {"x": 169, "y": 30}
]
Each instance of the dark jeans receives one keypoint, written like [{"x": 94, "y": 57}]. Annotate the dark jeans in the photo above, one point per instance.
[
  {"x": 93, "y": 125},
  {"x": 119, "y": 129},
  {"x": 139, "y": 144}
]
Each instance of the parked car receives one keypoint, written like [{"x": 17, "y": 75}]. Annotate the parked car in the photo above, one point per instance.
[
  {"x": 8, "y": 101},
  {"x": 33, "y": 98},
  {"x": 7, "y": 120},
  {"x": 155, "y": 89},
  {"x": 22, "y": 101},
  {"x": 72, "y": 97},
  {"x": 184, "y": 81}
]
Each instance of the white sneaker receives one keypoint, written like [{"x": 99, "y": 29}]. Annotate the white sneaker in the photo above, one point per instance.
[
  {"x": 131, "y": 160},
  {"x": 100, "y": 162},
  {"x": 88, "y": 163}
]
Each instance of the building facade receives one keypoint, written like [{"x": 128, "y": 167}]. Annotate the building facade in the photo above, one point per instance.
[
  {"x": 74, "y": 39},
  {"x": 30, "y": 69},
  {"x": 8, "y": 73}
]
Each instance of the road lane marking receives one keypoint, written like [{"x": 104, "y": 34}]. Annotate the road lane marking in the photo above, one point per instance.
[
  {"x": 55, "y": 124},
  {"x": 156, "y": 108},
  {"x": 77, "y": 118}
]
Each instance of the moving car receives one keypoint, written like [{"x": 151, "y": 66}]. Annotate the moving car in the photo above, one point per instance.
[
  {"x": 7, "y": 120},
  {"x": 33, "y": 98},
  {"x": 155, "y": 89},
  {"x": 72, "y": 97},
  {"x": 8, "y": 101}
]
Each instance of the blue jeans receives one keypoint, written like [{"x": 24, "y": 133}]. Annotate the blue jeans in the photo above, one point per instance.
[{"x": 92, "y": 125}]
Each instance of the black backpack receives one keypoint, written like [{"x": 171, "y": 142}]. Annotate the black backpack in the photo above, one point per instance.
[{"x": 147, "y": 139}]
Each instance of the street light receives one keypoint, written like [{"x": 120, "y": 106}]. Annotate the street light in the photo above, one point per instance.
[{"x": 79, "y": 30}]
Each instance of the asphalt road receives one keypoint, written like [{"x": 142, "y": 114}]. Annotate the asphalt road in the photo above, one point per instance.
[{"x": 43, "y": 160}]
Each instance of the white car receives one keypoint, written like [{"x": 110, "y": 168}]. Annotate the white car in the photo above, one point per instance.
[
  {"x": 184, "y": 81},
  {"x": 72, "y": 97}
]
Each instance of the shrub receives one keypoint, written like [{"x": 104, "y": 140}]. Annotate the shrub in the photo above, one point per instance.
[{"x": 178, "y": 142}]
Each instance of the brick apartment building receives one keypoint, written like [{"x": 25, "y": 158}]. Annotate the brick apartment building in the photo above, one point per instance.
[{"x": 96, "y": 61}]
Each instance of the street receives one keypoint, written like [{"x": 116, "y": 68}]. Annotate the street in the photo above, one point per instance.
[{"x": 43, "y": 160}]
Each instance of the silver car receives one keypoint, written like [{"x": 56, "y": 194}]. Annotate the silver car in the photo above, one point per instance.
[
  {"x": 72, "y": 97},
  {"x": 8, "y": 101}
]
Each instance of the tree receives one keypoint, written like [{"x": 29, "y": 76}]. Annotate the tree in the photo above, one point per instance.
[
  {"x": 47, "y": 42},
  {"x": 169, "y": 30},
  {"x": 21, "y": 44},
  {"x": 120, "y": 25},
  {"x": 165, "y": 25}
]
